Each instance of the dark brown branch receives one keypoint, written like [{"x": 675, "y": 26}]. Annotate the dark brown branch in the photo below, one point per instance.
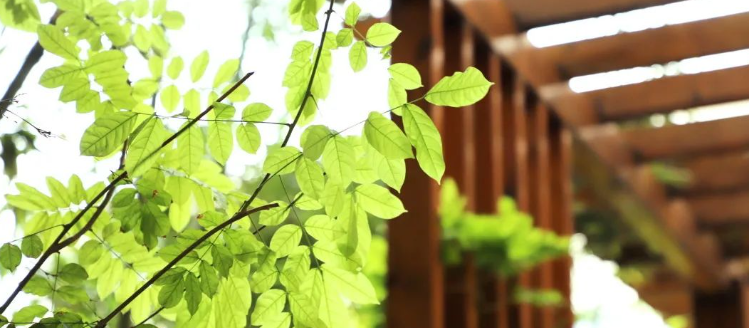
[
  {"x": 236, "y": 217},
  {"x": 31, "y": 59}
]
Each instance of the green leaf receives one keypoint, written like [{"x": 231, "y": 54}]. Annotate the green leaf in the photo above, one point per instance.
[
  {"x": 173, "y": 20},
  {"x": 191, "y": 101},
  {"x": 313, "y": 141},
  {"x": 232, "y": 303},
  {"x": 281, "y": 160},
  {"x": 90, "y": 252},
  {"x": 426, "y": 139},
  {"x": 386, "y": 137},
  {"x": 357, "y": 56},
  {"x": 310, "y": 177},
  {"x": 333, "y": 197},
  {"x": 20, "y": 14},
  {"x": 352, "y": 14},
  {"x": 198, "y": 66},
  {"x": 171, "y": 276},
  {"x": 391, "y": 171},
  {"x": 54, "y": 41},
  {"x": 208, "y": 279},
  {"x": 406, "y": 75},
  {"x": 75, "y": 90},
  {"x": 355, "y": 286},
  {"x": 142, "y": 38},
  {"x": 175, "y": 67},
  {"x": 141, "y": 154},
  {"x": 170, "y": 98},
  {"x": 397, "y": 96},
  {"x": 297, "y": 73},
  {"x": 32, "y": 246},
  {"x": 28, "y": 313},
  {"x": 460, "y": 89},
  {"x": 73, "y": 273},
  {"x": 345, "y": 37},
  {"x": 222, "y": 111},
  {"x": 171, "y": 294},
  {"x": 223, "y": 260},
  {"x": 322, "y": 227},
  {"x": 10, "y": 256},
  {"x": 155, "y": 65},
  {"x": 339, "y": 160},
  {"x": 193, "y": 295},
  {"x": 107, "y": 133},
  {"x": 382, "y": 34},
  {"x": 61, "y": 75},
  {"x": 309, "y": 22},
  {"x": 276, "y": 215},
  {"x": 159, "y": 7},
  {"x": 296, "y": 269},
  {"x": 239, "y": 94},
  {"x": 302, "y": 50},
  {"x": 220, "y": 141},
  {"x": 268, "y": 306},
  {"x": 248, "y": 137},
  {"x": 226, "y": 72},
  {"x": 266, "y": 274},
  {"x": 285, "y": 239},
  {"x": 73, "y": 294},
  {"x": 379, "y": 201},
  {"x": 190, "y": 149},
  {"x": 256, "y": 112},
  {"x": 38, "y": 286}
]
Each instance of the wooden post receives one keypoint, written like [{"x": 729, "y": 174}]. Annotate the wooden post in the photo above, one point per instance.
[
  {"x": 560, "y": 151},
  {"x": 415, "y": 274}
]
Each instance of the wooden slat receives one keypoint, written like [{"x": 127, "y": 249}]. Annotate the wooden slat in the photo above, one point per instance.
[
  {"x": 415, "y": 274},
  {"x": 722, "y": 208},
  {"x": 490, "y": 17},
  {"x": 718, "y": 173},
  {"x": 657, "y": 96},
  {"x": 626, "y": 50},
  {"x": 544, "y": 12},
  {"x": 680, "y": 141}
]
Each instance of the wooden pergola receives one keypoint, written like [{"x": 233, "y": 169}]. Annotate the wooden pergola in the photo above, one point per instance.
[{"x": 533, "y": 131}]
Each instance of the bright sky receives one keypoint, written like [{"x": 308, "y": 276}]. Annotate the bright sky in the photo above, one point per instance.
[{"x": 219, "y": 29}]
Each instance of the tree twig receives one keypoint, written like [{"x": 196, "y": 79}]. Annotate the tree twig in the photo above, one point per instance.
[{"x": 103, "y": 322}]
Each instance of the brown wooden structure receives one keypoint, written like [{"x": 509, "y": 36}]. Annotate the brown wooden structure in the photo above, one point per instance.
[{"x": 527, "y": 136}]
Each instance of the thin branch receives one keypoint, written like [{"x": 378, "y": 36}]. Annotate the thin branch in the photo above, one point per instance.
[
  {"x": 102, "y": 323},
  {"x": 150, "y": 316},
  {"x": 31, "y": 59},
  {"x": 216, "y": 120}
]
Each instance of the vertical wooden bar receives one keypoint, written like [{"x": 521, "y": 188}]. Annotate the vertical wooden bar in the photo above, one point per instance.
[
  {"x": 488, "y": 145},
  {"x": 538, "y": 126},
  {"x": 415, "y": 273},
  {"x": 560, "y": 151},
  {"x": 721, "y": 309},
  {"x": 461, "y": 292}
]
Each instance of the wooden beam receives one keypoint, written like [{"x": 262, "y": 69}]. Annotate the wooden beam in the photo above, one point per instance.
[
  {"x": 544, "y": 12},
  {"x": 626, "y": 50},
  {"x": 490, "y": 17},
  {"x": 721, "y": 208},
  {"x": 679, "y": 141},
  {"x": 657, "y": 96},
  {"x": 718, "y": 173},
  {"x": 415, "y": 274}
]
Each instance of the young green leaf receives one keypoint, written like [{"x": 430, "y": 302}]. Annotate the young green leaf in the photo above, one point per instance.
[
  {"x": 191, "y": 100},
  {"x": 333, "y": 198},
  {"x": 193, "y": 295},
  {"x": 386, "y": 137},
  {"x": 172, "y": 20},
  {"x": 406, "y": 75},
  {"x": 352, "y": 14},
  {"x": 248, "y": 137},
  {"x": 58, "y": 76},
  {"x": 107, "y": 133},
  {"x": 38, "y": 286},
  {"x": 313, "y": 141},
  {"x": 310, "y": 177},
  {"x": 276, "y": 215},
  {"x": 426, "y": 139},
  {"x": 285, "y": 239},
  {"x": 382, "y": 34},
  {"x": 198, "y": 66},
  {"x": 232, "y": 302},
  {"x": 397, "y": 96},
  {"x": 142, "y": 38},
  {"x": 302, "y": 50},
  {"x": 357, "y": 56},
  {"x": 28, "y": 313},
  {"x": 226, "y": 72},
  {"x": 379, "y": 201},
  {"x": 73, "y": 273},
  {"x": 223, "y": 260},
  {"x": 220, "y": 141},
  {"x": 156, "y": 66},
  {"x": 391, "y": 171},
  {"x": 170, "y": 98},
  {"x": 191, "y": 149},
  {"x": 460, "y": 89},
  {"x": 73, "y": 294},
  {"x": 256, "y": 112},
  {"x": 322, "y": 227},
  {"x": 175, "y": 67},
  {"x": 141, "y": 154},
  {"x": 32, "y": 246},
  {"x": 355, "y": 286},
  {"x": 54, "y": 41},
  {"x": 345, "y": 37},
  {"x": 339, "y": 160},
  {"x": 171, "y": 294},
  {"x": 208, "y": 279},
  {"x": 10, "y": 256},
  {"x": 281, "y": 160},
  {"x": 268, "y": 306}
]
